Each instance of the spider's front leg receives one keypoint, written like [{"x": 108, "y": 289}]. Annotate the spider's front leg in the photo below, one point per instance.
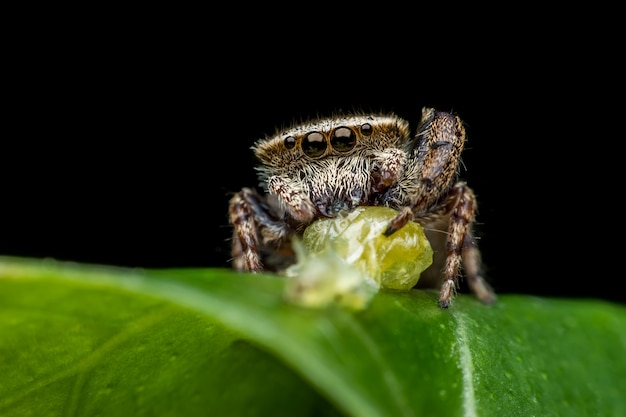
[
  {"x": 255, "y": 224},
  {"x": 430, "y": 170}
]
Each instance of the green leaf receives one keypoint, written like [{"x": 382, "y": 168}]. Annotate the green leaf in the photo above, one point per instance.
[{"x": 91, "y": 340}]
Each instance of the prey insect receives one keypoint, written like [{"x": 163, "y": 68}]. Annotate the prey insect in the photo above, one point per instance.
[{"x": 325, "y": 166}]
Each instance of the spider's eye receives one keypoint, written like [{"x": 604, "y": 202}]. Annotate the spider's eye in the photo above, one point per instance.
[
  {"x": 314, "y": 144},
  {"x": 366, "y": 129},
  {"x": 290, "y": 142},
  {"x": 343, "y": 139}
]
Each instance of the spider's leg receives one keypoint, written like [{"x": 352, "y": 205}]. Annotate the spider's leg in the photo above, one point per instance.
[
  {"x": 430, "y": 169},
  {"x": 400, "y": 219},
  {"x": 255, "y": 223},
  {"x": 245, "y": 247},
  {"x": 472, "y": 266},
  {"x": 461, "y": 247}
]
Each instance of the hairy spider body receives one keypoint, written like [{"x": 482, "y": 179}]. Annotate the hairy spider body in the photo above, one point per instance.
[{"x": 323, "y": 167}]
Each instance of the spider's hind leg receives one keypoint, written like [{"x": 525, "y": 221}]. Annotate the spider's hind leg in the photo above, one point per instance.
[{"x": 472, "y": 266}]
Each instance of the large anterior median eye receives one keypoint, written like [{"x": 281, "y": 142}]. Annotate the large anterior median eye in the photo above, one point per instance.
[
  {"x": 314, "y": 144},
  {"x": 343, "y": 139}
]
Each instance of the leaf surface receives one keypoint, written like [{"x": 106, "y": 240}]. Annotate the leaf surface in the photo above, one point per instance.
[{"x": 93, "y": 340}]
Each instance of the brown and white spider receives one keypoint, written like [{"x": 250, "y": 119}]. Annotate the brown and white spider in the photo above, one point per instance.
[{"x": 322, "y": 167}]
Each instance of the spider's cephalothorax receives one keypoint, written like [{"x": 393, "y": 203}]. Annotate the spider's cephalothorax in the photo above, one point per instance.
[{"x": 322, "y": 167}]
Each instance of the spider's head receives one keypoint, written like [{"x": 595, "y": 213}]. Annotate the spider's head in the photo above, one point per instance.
[{"x": 326, "y": 164}]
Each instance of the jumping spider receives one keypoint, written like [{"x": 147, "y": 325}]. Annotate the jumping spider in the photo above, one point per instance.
[{"x": 322, "y": 167}]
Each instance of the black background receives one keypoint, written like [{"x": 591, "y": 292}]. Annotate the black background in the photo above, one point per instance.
[{"x": 125, "y": 151}]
